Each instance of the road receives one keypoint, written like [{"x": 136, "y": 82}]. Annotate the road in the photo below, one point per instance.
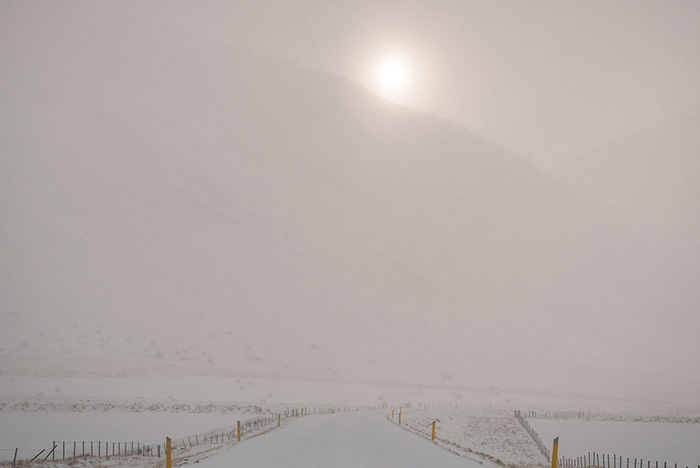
[{"x": 341, "y": 440}]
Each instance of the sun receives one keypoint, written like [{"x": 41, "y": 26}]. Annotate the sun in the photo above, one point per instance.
[{"x": 393, "y": 75}]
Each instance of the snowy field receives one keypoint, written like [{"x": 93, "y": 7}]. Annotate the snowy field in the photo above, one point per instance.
[
  {"x": 477, "y": 434},
  {"x": 34, "y": 411},
  {"x": 658, "y": 441},
  {"x": 263, "y": 391},
  {"x": 32, "y": 431}
]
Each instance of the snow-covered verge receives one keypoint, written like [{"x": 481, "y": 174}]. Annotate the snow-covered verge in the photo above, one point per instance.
[
  {"x": 99, "y": 426},
  {"x": 15, "y": 404},
  {"x": 478, "y": 434},
  {"x": 185, "y": 450},
  {"x": 34, "y": 431},
  {"x": 678, "y": 417},
  {"x": 669, "y": 442},
  {"x": 188, "y": 446}
]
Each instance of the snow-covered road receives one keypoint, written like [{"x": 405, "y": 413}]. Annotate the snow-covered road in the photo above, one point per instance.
[{"x": 339, "y": 440}]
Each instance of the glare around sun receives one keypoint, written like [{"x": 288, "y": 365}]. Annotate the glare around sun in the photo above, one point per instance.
[{"x": 393, "y": 75}]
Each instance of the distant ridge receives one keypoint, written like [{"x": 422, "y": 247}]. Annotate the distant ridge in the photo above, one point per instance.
[{"x": 173, "y": 205}]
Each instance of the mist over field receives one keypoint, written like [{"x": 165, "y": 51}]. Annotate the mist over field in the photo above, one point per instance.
[{"x": 215, "y": 190}]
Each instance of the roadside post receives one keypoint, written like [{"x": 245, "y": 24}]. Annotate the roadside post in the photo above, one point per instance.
[
  {"x": 555, "y": 449},
  {"x": 168, "y": 453}
]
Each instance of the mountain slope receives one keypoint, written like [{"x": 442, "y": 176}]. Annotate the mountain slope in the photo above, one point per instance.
[
  {"x": 175, "y": 205},
  {"x": 648, "y": 184},
  {"x": 647, "y": 181}
]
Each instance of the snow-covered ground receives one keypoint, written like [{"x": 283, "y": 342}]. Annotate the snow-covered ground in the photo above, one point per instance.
[
  {"x": 478, "y": 434},
  {"x": 185, "y": 450},
  {"x": 31, "y": 431},
  {"x": 34, "y": 411},
  {"x": 657, "y": 441},
  {"x": 475, "y": 435},
  {"x": 363, "y": 439},
  {"x": 266, "y": 391}
]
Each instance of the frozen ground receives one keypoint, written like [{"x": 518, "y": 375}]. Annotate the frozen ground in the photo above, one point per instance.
[
  {"x": 186, "y": 450},
  {"x": 338, "y": 440},
  {"x": 33, "y": 431},
  {"x": 658, "y": 441},
  {"x": 478, "y": 434},
  {"x": 37, "y": 410},
  {"x": 266, "y": 391}
]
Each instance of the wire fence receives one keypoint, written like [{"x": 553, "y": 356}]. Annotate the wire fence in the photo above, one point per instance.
[
  {"x": 590, "y": 459},
  {"x": 191, "y": 445},
  {"x": 533, "y": 434},
  {"x": 605, "y": 416}
]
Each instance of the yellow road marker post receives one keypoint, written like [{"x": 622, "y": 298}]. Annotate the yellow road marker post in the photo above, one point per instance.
[
  {"x": 279, "y": 419},
  {"x": 433, "y": 437},
  {"x": 168, "y": 454},
  {"x": 555, "y": 449},
  {"x": 238, "y": 426}
]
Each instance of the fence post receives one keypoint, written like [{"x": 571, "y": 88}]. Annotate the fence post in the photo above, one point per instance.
[
  {"x": 35, "y": 456},
  {"x": 51, "y": 453},
  {"x": 14, "y": 460}
]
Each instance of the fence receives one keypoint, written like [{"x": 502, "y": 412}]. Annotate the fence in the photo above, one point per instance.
[
  {"x": 591, "y": 459},
  {"x": 197, "y": 444},
  {"x": 604, "y": 416},
  {"x": 597, "y": 460},
  {"x": 63, "y": 450},
  {"x": 535, "y": 436}
]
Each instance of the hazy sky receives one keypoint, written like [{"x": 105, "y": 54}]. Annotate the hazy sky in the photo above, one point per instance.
[
  {"x": 257, "y": 216},
  {"x": 548, "y": 79}
]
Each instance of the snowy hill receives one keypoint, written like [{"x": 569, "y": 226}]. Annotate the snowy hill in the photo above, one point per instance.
[
  {"x": 648, "y": 184},
  {"x": 174, "y": 205},
  {"x": 648, "y": 181}
]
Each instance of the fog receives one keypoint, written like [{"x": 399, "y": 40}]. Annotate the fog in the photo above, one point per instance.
[
  {"x": 224, "y": 189},
  {"x": 549, "y": 81}
]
